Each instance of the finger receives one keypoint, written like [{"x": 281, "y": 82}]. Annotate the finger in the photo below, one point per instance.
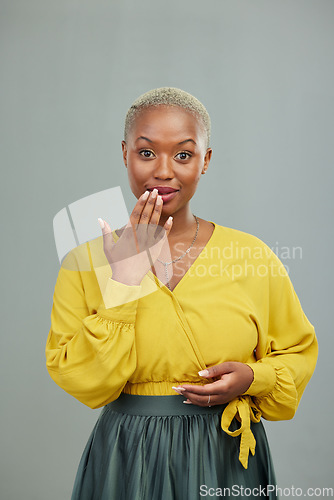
[
  {"x": 208, "y": 395},
  {"x": 216, "y": 371},
  {"x": 218, "y": 387},
  {"x": 156, "y": 211},
  {"x": 168, "y": 225},
  {"x": 205, "y": 401},
  {"x": 161, "y": 237},
  {"x": 138, "y": 209},
  {"x": 148, "y": 209},
  {"x": 200, "y": 400},
  {"x": 108, "y": 240},
  {"x": 136, "y": 216}
]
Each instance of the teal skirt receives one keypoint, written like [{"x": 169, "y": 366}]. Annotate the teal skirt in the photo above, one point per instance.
[{"x": 157, "y": 448}]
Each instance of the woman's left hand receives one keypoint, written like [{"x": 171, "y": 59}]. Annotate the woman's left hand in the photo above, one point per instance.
[{"x": 233, "y": 379}]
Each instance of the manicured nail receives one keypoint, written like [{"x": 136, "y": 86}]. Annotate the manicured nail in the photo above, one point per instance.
[
  {"x": 159, "y": 200},
  {"x": 101, "y": 222},
  {"x": 187, "y": 402},
  {"x": 178, "y": 389},
  {"x": 203, "y": 373},
  {"x": 154, "y": 193},
  {"x": 170, "y": 220},
  {"x": 145, "y": 195}
]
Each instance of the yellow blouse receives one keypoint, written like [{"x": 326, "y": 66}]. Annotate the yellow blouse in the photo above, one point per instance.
[{"x": 235, "y": 303}]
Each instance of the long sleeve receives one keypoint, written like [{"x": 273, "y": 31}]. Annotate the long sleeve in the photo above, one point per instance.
[
  {"x": 287, "y": 349},
  {"x": 91, "y": 356}
]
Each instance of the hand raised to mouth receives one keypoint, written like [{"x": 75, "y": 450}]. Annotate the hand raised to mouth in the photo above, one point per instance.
[{"x": 141, "y": 241}]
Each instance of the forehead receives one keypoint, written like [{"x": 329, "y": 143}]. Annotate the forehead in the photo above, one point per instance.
[{"x": 170, "y": 122}]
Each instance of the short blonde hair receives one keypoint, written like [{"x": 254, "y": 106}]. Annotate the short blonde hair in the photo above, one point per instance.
[{"x": 168, "y": 96}]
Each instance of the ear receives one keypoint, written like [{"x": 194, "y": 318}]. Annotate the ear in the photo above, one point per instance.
[
  {"x": 207, "y": 159},
  {"x": 125, "y": 153}
]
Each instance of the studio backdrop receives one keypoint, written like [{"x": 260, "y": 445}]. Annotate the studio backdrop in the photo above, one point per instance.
[{"x": 69, "y": 71}]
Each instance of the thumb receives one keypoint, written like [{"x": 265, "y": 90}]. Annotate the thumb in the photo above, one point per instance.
[
  {"x": 108, "y": 241},
  {"x": 216, "y": 370}
]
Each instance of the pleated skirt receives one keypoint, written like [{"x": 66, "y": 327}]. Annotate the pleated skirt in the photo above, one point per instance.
[{"x": 157, "y": 448}]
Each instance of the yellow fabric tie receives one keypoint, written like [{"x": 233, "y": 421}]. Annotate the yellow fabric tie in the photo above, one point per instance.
[{"x": 245, "y": 411}]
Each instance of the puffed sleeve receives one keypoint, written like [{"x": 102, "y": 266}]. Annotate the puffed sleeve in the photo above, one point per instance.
[
  {"x": 287, "y": 348},
  {"x": 91, "y": 356}
]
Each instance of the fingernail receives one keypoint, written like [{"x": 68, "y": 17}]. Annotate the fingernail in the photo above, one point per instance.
[
  {"x": 170, "y": 219},
  {"x": 101, "y": 223},
  {"x": 154, "y": 193},
  {"x": 178, "y": 389},
  {"x": 187, "y": 402},
  {"x": 203, "y": 373},
  {"x": 145, "y": 195},
  {"x": 159, "y": 200}
]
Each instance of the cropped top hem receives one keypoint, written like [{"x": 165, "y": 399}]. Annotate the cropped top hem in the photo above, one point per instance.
[{"x": 162, "y": 388}]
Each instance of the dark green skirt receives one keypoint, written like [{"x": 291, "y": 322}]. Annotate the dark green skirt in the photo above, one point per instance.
[{"x": 157, "y": 448}]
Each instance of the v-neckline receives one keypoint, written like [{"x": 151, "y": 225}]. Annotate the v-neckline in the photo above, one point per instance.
[{"x": 154, "y": 278}]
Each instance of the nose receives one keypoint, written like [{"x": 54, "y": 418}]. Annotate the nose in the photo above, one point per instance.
[{"x": 163, "y": 169}]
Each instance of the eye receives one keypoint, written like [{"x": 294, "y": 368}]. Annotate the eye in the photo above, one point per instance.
[
  {"x": 184, "y": 155},
  {"x": 147, "y": 153}
]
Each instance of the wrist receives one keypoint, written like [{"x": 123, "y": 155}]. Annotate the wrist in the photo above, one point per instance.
[
  {"x": 250, "y": 377},
  {"x": 264, "y": 379}
]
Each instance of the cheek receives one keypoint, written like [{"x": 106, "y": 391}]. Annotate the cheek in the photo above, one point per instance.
[
  {"x": 190, "y": 185},
  {"x": 134, "y": 172},
  {"x": 133, "y": 177},
  {"x": 197, "y": 177}
]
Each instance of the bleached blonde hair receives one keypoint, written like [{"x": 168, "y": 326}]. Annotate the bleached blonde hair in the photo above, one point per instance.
[{"x": 168, "y": 96}]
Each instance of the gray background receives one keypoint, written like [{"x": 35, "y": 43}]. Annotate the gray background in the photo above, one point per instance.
[{"x": 69, "y": 71}]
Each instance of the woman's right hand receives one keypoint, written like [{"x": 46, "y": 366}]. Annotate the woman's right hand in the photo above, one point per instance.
[{"x": 140, "y": 243}]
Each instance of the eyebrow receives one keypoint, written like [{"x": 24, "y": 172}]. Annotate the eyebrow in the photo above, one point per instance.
[
  {"x": 179, "y": 143},
  {"x": 142, "y": 137},
  {"x": 187, "y": 140}
]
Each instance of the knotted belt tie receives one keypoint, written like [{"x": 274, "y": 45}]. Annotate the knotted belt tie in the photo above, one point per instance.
[{"x": 244, "y": 410}]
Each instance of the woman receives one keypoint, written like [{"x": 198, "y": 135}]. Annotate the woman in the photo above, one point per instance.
[{"x": 175, "y": 309}]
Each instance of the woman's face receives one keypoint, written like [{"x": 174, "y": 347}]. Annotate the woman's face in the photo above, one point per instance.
[{"x": 166, "y": 149}]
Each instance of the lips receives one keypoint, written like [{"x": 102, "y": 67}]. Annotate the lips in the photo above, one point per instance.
[
  {"x": 167, "y": 193},
  {"x": 163, "y": 189}
]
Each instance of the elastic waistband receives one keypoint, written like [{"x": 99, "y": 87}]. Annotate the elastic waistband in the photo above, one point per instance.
[{"x": 159, "y": 406}]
